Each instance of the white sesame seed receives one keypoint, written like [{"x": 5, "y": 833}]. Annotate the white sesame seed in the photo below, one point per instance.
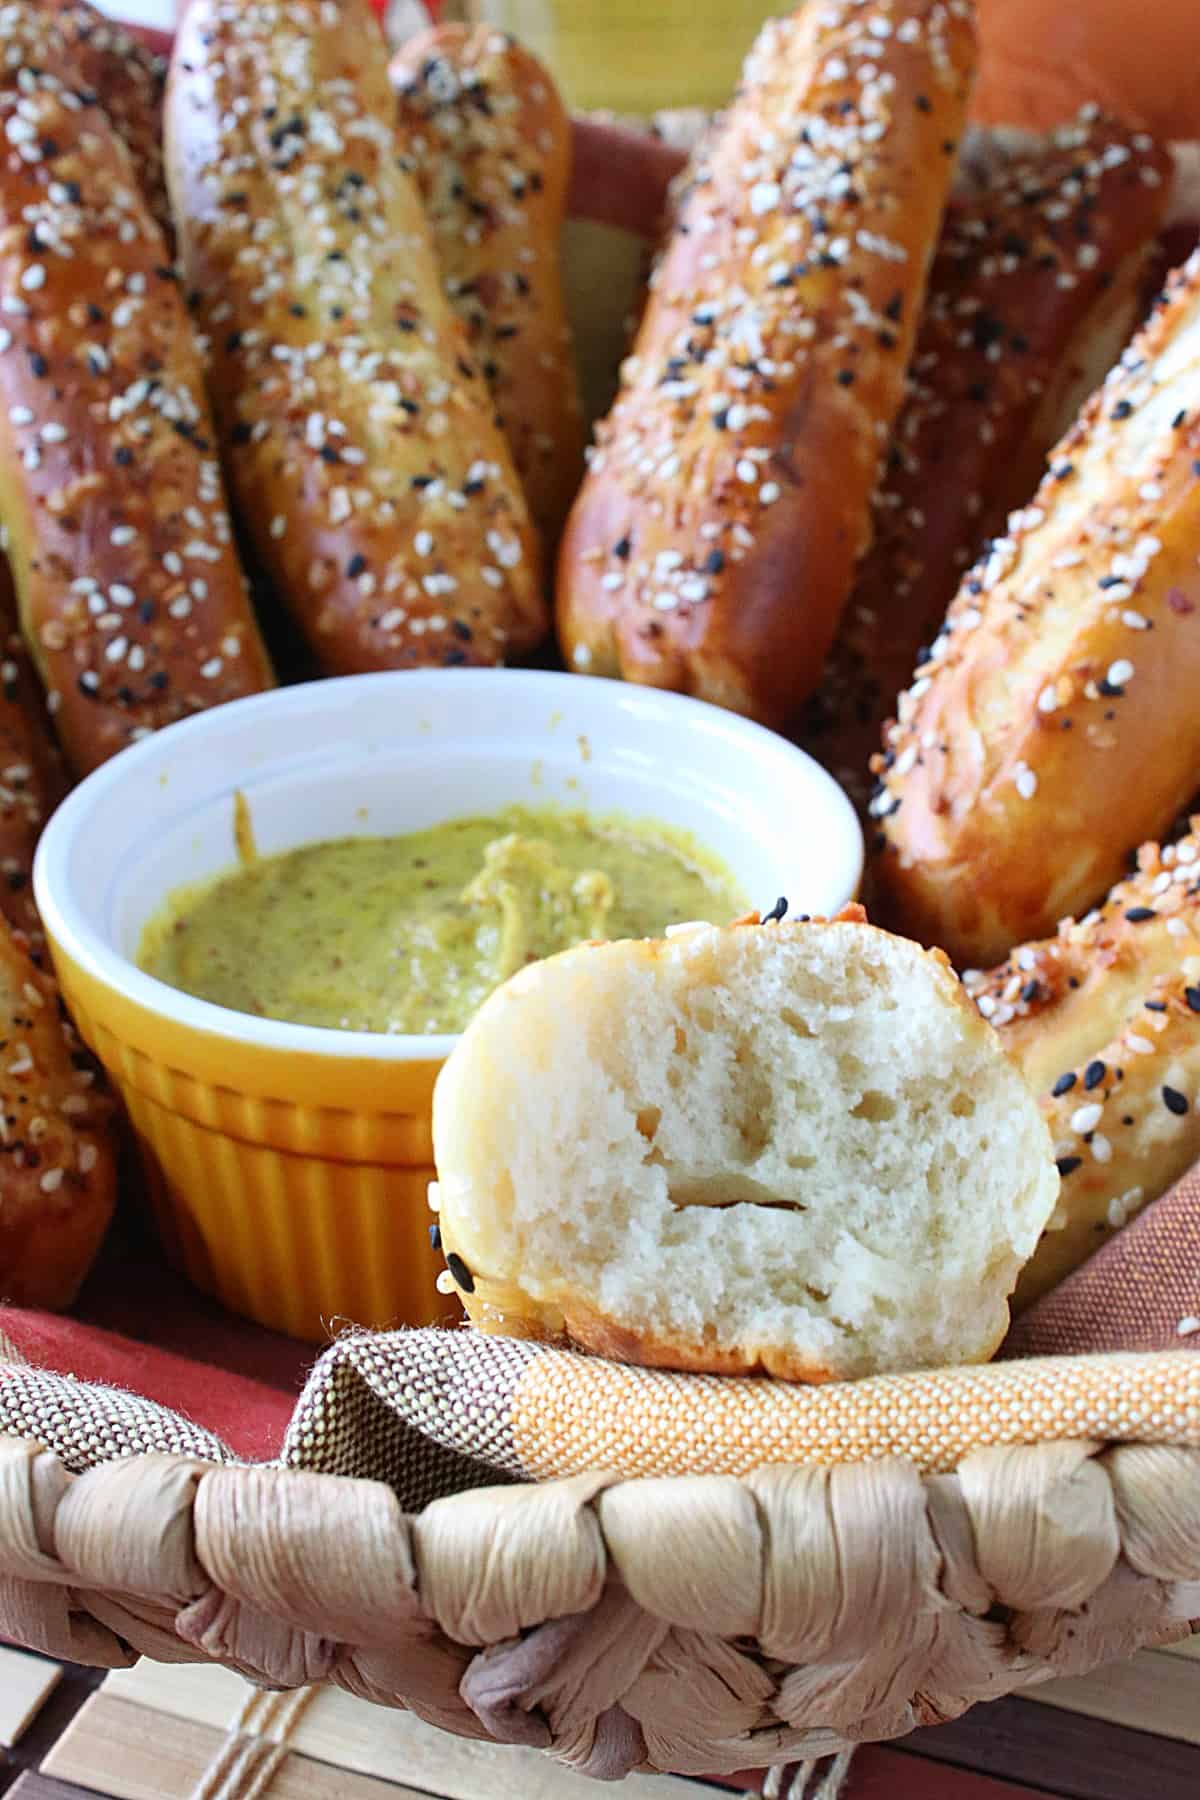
[
  {"x": 1101, "y": 1148},
  {"x": 1188, "y": 1326},
  {"x": 764, "y": 197},
  {"x": 423, "y": 543},
  {"x": 1136, "y": 621},
  {"x": 5, "y": 339},
  {"x": 1025, "y": 781},
  {"x": 1178, "y": 927},
  {"x": 278, "y": 526},
  {"x": 54, "y": 433},
  {"x": 769, "y": 492},
  {"x": 20, "y": 415},
  {"x": 1120, "y": 672},
  {"x": 116, "y": 650},
  {"x": 1086, "y": 1118},
  {"x": 1047, "y": 700},
  {"x": 51, "y": 1181},
  {"x": 1139, "y": 1045},
  {"x": 122, "y": 534},
  {"x": 212, "y": 668},
  {"x": 612, "y": 581},
  {"x": 746, "y": 470},
  {"x": 89, "y": 1156},
  {"x": 1115, "y": 1214}
]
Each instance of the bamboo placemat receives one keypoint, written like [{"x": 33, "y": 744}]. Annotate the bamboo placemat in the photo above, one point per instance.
[{"x": 201, "y": 1733}]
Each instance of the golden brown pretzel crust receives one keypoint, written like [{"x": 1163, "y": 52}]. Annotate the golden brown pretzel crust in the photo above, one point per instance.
[
  {"x": 128, "y": 79},
  {"x": 1023, "y": 268},
  {"x": 490, "y": 144},
  {"x": 130, "y": 593},
  {"x": 32, "y": 778},
  {"x": 57, "y": 1153},
  {"x": 376, "y": 487},
  {"x": 713, "y": 542},
  {"x": 1054, "y": 725},
  {"x": 1104, "y": 1022}
]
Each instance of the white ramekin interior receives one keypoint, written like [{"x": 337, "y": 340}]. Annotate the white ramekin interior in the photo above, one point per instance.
[{"x": 381, "y": 754}]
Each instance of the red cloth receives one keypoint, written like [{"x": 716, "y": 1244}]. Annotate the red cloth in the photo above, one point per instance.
[{"x": 141, "y": 1327}]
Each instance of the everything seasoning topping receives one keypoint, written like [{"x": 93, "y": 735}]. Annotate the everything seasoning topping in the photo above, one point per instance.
[
  {"x": 782, "y": 269},
  {"x": 1010, "y": 280},
  {"x": 360, "y": 425},
  {"x": 487, "y": 140},
  {"x": 1132, "y": 450},
  {"x": 118, "y": 389},
  {"x": 1139, "y": 966}
]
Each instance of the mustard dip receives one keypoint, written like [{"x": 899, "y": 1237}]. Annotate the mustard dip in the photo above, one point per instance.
[{"x": 411, "y": 934}]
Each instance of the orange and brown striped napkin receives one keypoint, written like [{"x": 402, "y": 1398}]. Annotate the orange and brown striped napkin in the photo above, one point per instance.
[
  {"x": 1140, "y": 1292},
  {"x": 432, "y": 1412}
]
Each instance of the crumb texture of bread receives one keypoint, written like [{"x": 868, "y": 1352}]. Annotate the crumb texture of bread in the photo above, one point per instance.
[{"x": 794, "y": 1150}]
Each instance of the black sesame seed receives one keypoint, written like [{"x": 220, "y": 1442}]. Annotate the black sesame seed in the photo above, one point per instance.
[
  {"x": 241, "y": 433},
  {"x": 422, "y": 481},
  {"x": 1064, "y": 1084},
  {"x": 1192, "y": 996},
  {"x": 622, "y": 548},
  {"x": 471, "y": 488},
  {"x": 1093, "y": 1075},
  {"x": 777, "y": 912},
  {"x": 123, "y": 456},
  {"x": 435, "y": 1237},
  {"x": 721, "y": 418},
  {"x": 1179, "y": 419},
  {"x": 38, "y": 364},
  {"x": 714, "y": 562},
  {"x": 845, "y": 377},
  {"x": 1137, "y": 915},
  {"x": 1121, "y": 410},
  {"x": 1174, "y": 1101},
  {"x": 95, "y": 316},
  {"x": 462, "y": 630},
  {"x": 233, "y": 341},
  {"x": 159, "y": 681},
  {"x": 1030, "y": 992},
  {"x": 146, "y": 612},
  {"x": 894, "y": 308},
  {"x": 1111, "y": 691},
  {"x": 1108, "y": 581},
  {"x": 454, "y": 658},
  {"x": 460, "y": 1272},
  {"x": 329, "y": 454},
  {"x": 356, "y": 565},
  {"x": 1155, "y": 1005},
  {"x": 986, "y": 330},
  {"x": 1067, "y": 1165},
  {"x": 923, "y": 103}
]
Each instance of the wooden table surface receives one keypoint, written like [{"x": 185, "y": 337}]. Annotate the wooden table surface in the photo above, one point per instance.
[{"x": 1130, "y": 1732}]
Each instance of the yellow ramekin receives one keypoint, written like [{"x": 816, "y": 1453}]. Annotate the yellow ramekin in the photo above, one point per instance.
[{"x": 287, "y": 1166}]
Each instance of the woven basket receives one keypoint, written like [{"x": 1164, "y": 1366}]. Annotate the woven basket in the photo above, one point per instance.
[{"x": 699, "y": 1624}]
